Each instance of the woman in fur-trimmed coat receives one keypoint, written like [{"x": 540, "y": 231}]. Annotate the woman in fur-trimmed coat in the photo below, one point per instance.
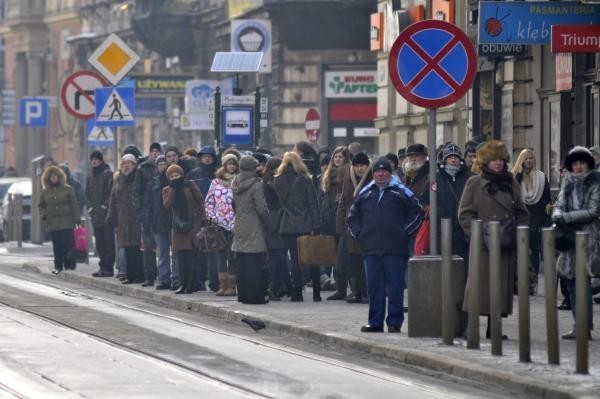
[
  {"x": 492, "y": 194},
  {"x": 60, "y": 213}
]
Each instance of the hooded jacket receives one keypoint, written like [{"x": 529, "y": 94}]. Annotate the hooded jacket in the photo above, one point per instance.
[
  {"x": 97, "y": 192},
  {"x": 219, "y": 204},
  {"x": 383, "y": 221},
  {"x": 298, "y": 199},
  {"x": 251, "y": 214},
  {"x": 57, "y": 204}
]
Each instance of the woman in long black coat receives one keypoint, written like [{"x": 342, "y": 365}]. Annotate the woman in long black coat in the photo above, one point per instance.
[{"x": 298, "y": 197}]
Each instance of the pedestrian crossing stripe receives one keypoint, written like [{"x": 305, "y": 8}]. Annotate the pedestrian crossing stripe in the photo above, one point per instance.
[{"x": 115, "y": 106}]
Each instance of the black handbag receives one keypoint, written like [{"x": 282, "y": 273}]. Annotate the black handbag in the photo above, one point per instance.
[
  {"x": 564, "y": 237},
  {"x": 211, "y": 238},
  {"x": 508, "y": 233},
  {"x": 181, "y": 226}
]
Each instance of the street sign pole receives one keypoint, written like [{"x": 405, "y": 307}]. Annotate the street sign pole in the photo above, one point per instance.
[{"x": 433, "y": 219}]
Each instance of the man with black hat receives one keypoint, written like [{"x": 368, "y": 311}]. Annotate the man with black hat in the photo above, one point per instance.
[
  {"x": 359, "y": 176},
  {"x": 383, "y": 218},
  {"x": 97, "y": 192},
  {"x": 142, "y": 188},
  {"x": 416, "y": 172}
]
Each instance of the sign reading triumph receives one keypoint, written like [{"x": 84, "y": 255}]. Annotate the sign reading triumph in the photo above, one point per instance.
[{"x": 530, "y": 22}]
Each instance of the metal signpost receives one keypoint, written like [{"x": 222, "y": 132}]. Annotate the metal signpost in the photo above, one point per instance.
[{"x": 432, "y": 64}]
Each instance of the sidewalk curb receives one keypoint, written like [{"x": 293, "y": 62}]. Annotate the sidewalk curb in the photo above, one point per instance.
[{"x": 411, "y": 357}]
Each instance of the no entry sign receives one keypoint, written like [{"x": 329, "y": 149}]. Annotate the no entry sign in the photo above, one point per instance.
[
  {"x": 432, "y": 63},
  {"x": 312, "y": 124},
  {"x": 77, "y": 93}
]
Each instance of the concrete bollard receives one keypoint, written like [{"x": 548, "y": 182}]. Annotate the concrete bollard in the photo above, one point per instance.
[
  {"x": 550, "y": 297},
  {"x": 447, "y": 297},
  {"x": 582, "y": 286},
  {"x": 523, "y": 290},
  {"x": 473, "y": 305},
  {"x": 495, "y": 288}
]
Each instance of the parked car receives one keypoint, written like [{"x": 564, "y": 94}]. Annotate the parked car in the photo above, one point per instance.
[{"x": 18, "y": 186}]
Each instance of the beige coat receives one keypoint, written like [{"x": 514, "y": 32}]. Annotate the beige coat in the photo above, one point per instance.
[
  {"x": 477, "y": 203},
  {"x": 251, "y": 214}
]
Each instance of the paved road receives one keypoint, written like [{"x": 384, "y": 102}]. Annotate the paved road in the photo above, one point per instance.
[{"x": 58, "y": 339}]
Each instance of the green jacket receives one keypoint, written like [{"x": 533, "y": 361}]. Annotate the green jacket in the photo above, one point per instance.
[{"x": 58, "y": 204}]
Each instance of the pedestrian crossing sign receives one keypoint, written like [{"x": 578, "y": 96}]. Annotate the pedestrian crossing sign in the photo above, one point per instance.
[
  {"x": 115, "y": 106},
  {"x": 99, "y": 136}
]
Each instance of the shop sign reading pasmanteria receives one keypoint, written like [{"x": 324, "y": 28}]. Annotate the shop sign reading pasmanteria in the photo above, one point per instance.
[{"x": 350, "y": 84}]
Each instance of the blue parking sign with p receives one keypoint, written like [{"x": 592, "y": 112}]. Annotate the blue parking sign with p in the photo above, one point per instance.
[{"x": 33, "y": 112}]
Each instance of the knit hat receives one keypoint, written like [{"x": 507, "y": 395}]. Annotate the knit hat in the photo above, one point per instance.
[
  {"x": 416, "y": 149},
  {"x": 229, "y": 156},
  {"x": 382, "y": 163},
  {"x": 248, "y": 163},
  {"x": 451, "y": 149},
  {"x": 173, "y": 149},
  {"x": 97, "y": 155},
  {"x": 161, "y": 158},
  {"x": 129, "y": 158},
  {"x": 155, "y": 145},
  {"x": 174, "y": 169},
  {"x": 360, "y": 158},
  {"x": 579, "y": 153},
  {"x": 490, "y": 150}
]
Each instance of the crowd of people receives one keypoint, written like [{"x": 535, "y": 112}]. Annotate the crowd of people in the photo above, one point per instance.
[{"x": 230, "y": 222}]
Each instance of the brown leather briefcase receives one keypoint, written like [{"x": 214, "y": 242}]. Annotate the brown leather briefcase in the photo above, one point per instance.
[{"x": 316, "y": 250}]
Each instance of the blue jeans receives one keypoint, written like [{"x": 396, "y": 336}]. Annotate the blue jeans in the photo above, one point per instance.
[
  {"x": 570, "y": 283},
  {"x": 163, "y": 244},
  {"x": 386, "y": 273}
]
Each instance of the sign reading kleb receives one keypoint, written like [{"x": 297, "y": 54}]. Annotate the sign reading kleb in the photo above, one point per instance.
[
  {"x": 113, "y": 59},
  {"x": 350, "y": 84},
  {"x": 253, "y": 35}
]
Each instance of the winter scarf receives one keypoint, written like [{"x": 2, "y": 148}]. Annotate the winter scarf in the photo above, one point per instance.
[
  {"x": 180, "y": 202},
  {"x": 532, "y": 187},
  {"x": 501, "y": 181},
  {"x": 451, "y": 170}
]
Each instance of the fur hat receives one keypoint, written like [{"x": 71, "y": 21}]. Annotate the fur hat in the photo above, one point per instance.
[
  {"x": 489, "y": 151},
  {"x": 228, "y": 157},
  {"x": 174, "y": 169},
  {"x": 360, "y": 158},
  {"x": 451, "y": 149},
  {"x": 416, "y": 149},
  {"x": 579, "y": 153},
  {"x": 129, "y": 157},
  {"x": 97, "y": 155},
  {"x": 248, "y": 163}
]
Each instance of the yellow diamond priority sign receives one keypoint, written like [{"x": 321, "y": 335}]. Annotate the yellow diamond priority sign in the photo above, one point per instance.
[{"x": 113, "y": 59}]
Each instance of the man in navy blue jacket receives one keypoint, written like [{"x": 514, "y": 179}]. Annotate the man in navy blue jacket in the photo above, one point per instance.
[{"x": 383, "y": 218}]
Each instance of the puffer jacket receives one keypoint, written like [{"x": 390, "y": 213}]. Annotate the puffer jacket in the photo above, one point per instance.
[
  {"x": 219, "y": 204},
  {"x": 298, "y": 199},
  {"x": 584, "y": 214},
  {"x": 57, "y": 204},
  {"x": 122, "y": 213},
  {"x": 383, "y": 223},
  {"x": 251, "y": 214},
  {"x": 97, "y": 193}
]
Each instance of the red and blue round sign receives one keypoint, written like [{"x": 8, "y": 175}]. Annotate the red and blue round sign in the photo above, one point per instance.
[{"x": 432, "y": 63}]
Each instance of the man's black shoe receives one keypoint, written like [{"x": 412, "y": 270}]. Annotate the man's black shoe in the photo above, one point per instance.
[
  {"x": 147, "y": 283},
  {"x": 369, "y": 329},
  {"x": 175, "y": 286},
  {"x": 393, "y": 329},
  {"x": 338, "y": 296},
  {"x": 564, "y": 306},
  {"x": 354, "y": 299},
  {"x": 163, "y": 287},
  {"x": 102, "y": 273},
  {"x": 597, "y": 300}
]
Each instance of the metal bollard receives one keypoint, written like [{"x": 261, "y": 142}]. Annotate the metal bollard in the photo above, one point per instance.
[
  {"x": 447, "y": 297},
  {"x": 550, "y": 284},
  {"x": 10, "y": 228},
  {"x": 473, "y": 305},
  {"x": 581, "y": 302},
  {"x": 18, "y": 203},
  {"x": 523, "y": 289},
  {"x": 495, "y": 289}
]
